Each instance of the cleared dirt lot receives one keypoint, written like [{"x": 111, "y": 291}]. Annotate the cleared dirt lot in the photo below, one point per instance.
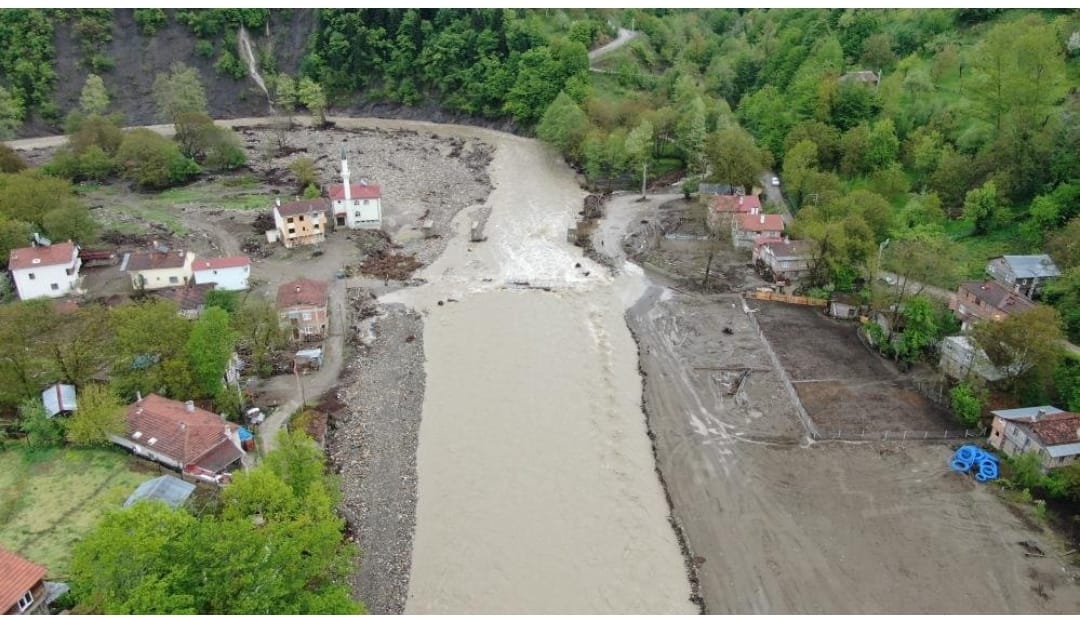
[{"x": 843, "y": 385}]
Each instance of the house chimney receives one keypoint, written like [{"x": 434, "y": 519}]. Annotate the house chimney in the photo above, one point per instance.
[
  {"x": 138, "y": 396},
  {"x": 189, "y": 405},
  {"x": 345, "y": 176},
  {"x": 278, "y": 200},
  {"x": 763, "y": 219},
  {"x": 1040, "y": 414},
  {"x": 740, "y": 200},
  {"x": 787, "y": 241},
  {"x": 297, "y": 289}
]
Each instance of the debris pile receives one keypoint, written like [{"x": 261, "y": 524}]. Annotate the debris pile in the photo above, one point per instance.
[
  {"x": 263, "y": 222},
  {"x": 969, "y": 458},
  {"x": 386, "y": 265}
]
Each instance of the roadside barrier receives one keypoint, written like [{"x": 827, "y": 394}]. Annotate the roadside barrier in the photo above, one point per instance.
[{"x": 790, "y": 299}]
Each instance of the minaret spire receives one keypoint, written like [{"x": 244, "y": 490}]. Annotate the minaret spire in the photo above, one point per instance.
[{"x": 345, "y": 176}]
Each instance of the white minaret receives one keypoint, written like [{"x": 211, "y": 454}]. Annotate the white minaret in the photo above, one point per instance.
[{"x": 345, "y": 176}]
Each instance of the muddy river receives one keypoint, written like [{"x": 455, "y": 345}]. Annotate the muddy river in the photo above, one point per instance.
[{"x": 537, "y": 491}]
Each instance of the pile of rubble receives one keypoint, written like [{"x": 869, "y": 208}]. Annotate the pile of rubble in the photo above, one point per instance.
[{"x": 386, "y": 265}]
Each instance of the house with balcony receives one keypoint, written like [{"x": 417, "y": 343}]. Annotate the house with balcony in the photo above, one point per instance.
[
  {"x": 301, "y": 222},
  {"x": 302, "y": 309},
  {"x": 44, "y": 270},
  {"x": 986, "y": 300}
]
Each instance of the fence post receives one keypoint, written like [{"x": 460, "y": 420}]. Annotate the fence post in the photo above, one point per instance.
[
  {"x": 838, "y": 434},
  {"x": 905, "y": 436},
  {"x": 926, "y": 435},
  {"x": 864, "y": 433},
  {"x": 946, "y": 436},
  {"x": 886, "y": 435}
]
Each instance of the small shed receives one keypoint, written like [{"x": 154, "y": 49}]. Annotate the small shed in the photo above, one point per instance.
[
  {"x": 844, "y": 306},
  {"x": 310, "y": 358},
  {"x": 168, "y": 489},
  {"x": 59, "y": 399}
]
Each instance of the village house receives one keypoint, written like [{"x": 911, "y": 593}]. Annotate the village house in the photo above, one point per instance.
[
  {"x": 961, "y": 359},
  {"x": 160, "y": 267},
  {"x": 22, "y": 586},
  {"x": 782, "y": 260},
  {"x": 723, "y": 208},
  {"x": 59, "y": 399},
  {"x": 302, "y": 308},
  {"x": 190, "y": 299},
  {"x": 1025, "y": 274},
  {"x": 355, "y": 206},
  {"x": 181, "y": 436},
  {"x": 45, "y": 271},
  {"x": 1050, "y": 433},
  {"x": 228, "y": 273},
  {"x": 746, "y": 228},
  {"x": 986, "y": 300},
  {"x": 301, "y": 222}
]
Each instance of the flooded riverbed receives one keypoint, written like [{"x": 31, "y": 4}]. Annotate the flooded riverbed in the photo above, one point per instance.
[{"x": 537, "y": 491}]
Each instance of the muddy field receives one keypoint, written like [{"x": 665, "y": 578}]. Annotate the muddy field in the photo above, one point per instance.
[{"x": 843, "y": 385}]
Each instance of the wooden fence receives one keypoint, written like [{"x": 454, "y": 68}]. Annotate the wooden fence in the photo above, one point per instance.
[{"x": 786, "y": 298}]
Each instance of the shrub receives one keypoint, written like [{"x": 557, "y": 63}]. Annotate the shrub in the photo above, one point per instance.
[
  {"x": 150, "y": 20},
  {"x": 967, "y": 404},
  {"x": 153, "y": 161}
]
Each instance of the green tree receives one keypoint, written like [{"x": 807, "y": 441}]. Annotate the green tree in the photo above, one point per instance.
[
  {"x": 1064, "y": 245},
  {"x": 259, "y": 330},
  {"x": 229, "y": 300},
  {"x": 70, "y": 223},
  {"x": 826, "y": 138},
  {"x": 735, "y": 158},
  {"x": 1064, "y": 294},
  {"x": 883, "y": 145},
  {"x": 11, "y": 113},
  {"x": 638, "y": 146},
  {"x": 690, "y": 134},
  {"x": 41, "y": 431},
  {"x": 1025, "y": 346},
  {"x": 150, "y": 20},
  {"x": 920, "y": 329},
  {"x": 982, "y": 207},
  {"x": 25, "y": 366},
  {"x": 285, "y": 94},
  {"x": 150, "y": 343},
  {"x": 564, "y": 126},
  {"x": 311, "y": 95},
  {"x": 967, "y": 404},
  {"x": 100, "y": 413},
  {"x": 180, "y": 91},
  {"x": 13, "y": 234},
  {"x": 94, "y": 99},
  {"x": 304, "y": 170},
  {"x": 801, "y": 159},
  {"x": 854, "y": 151},
  {"x": 153, "y": 161},
  {"x": 29, "y": 196},
  {"x": 77, "y": 345},
  {"x": 209, "y": 348}
]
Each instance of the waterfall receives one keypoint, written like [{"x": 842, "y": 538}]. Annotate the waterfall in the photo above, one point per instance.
[{"x": 248, "y": 54}]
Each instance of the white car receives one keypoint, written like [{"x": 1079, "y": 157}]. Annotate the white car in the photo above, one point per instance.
[{"x": 776, "y": 181}]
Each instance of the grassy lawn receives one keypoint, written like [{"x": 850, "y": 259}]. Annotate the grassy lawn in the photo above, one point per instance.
[{"x": 50, "y": 500}]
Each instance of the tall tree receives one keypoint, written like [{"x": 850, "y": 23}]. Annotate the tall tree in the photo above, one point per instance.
[
  {"x": 638, "y": 147},
  {"x": 311, "y": 95},
  {"x": 11, "y": 113},
  {"x": 1025, "y": 347},
  {"x": 801, "y": 159},
  {"x": 209, "y": 348},
  {"x": 735, "y": 158},
  {"x": 982, "y": 207},
  {"x": 179, "y": 91},
  {"x": 690, "y": 135},
  {"x": 564, "y": 126},
  {"x": 94, "y": 99}
]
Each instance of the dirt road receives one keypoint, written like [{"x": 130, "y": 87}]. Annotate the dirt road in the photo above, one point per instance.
[
  {"x": 779, "y": 525},
  {"x": 624, "y": 37}
]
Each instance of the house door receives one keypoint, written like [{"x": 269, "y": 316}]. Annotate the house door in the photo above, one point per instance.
[{"x": 341, "y": 219}]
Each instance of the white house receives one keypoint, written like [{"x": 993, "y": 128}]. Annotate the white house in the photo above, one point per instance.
[
  {"x": 229, "y": 273},
  {"x": 1026, "y": 274},
  {"x": 45, "y": 271},
  {"x": 355, "y": 206},
  {"x": 158, "y": 268}
]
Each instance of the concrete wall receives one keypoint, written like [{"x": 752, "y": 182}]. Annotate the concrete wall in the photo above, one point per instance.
[{"x": 38, "y": 282}]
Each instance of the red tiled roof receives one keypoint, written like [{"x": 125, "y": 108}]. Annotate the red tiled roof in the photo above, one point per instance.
[
  {"x": 188, "y": 297},
  {"x": 301, "y": 207},
  {"x": 1057, "y": 428},
  {"x": 735, "y": 203},
  {"x": 62, "y": 253},
  {"x": 154, "y": 259},
  {"x": 357, "y": 190},
  {"x": 998, "y": 296},
  {"x": 187, "y": 437},
  {"x": 760, "y": 223},
  {"x": 17, "y": 575},
  {"x": 301, "y": 292},
  {"x": 231, "y": 261},
  {"x": 790, "y": 248}
]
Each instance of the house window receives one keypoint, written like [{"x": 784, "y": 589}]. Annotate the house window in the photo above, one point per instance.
[
  {"x": 32, "y": 277},
  {"x": 315, "y": 227},
  {"x": 289, "y": 220},
  {"x": 300, "y": 218},
  {"x": 356, "y": 202},
  {"x": 306, "y": 316},
  {"x": 26, "y": 600},
  {"x": 174, "y": 279},
  {"x": 291, "y": 230},
  {"x": 54, "y": 286},
  {"x": 366, "y": 202},
  {"x": 69, "y": 271}
]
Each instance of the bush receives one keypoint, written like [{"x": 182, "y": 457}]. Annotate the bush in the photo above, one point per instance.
[
  {"x": 153, "y": 161},
  {"x": 967, "y": 404},
  {"x": 204, "y": 48}
]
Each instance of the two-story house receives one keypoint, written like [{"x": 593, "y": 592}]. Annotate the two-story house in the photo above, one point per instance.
[
  {"x": 986, "y": 300},
  {"x": 302, "y": 308},
  {"x": 45, "y": 271},
  {"x": 1025, "y": 274},
  {"x": 160, "y": 267},
  {"x": 1050, "y": 433},
  {"x": 723, "y": 208},
  {"x": 22, "y": 585},
  {"x": 301, "y": 222},
  {"x": 746, "y": 228},
  {"x": 782, "y": 259},
  {"x": 355, "y": 206},
  {"x": 227, "y": 273}
]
